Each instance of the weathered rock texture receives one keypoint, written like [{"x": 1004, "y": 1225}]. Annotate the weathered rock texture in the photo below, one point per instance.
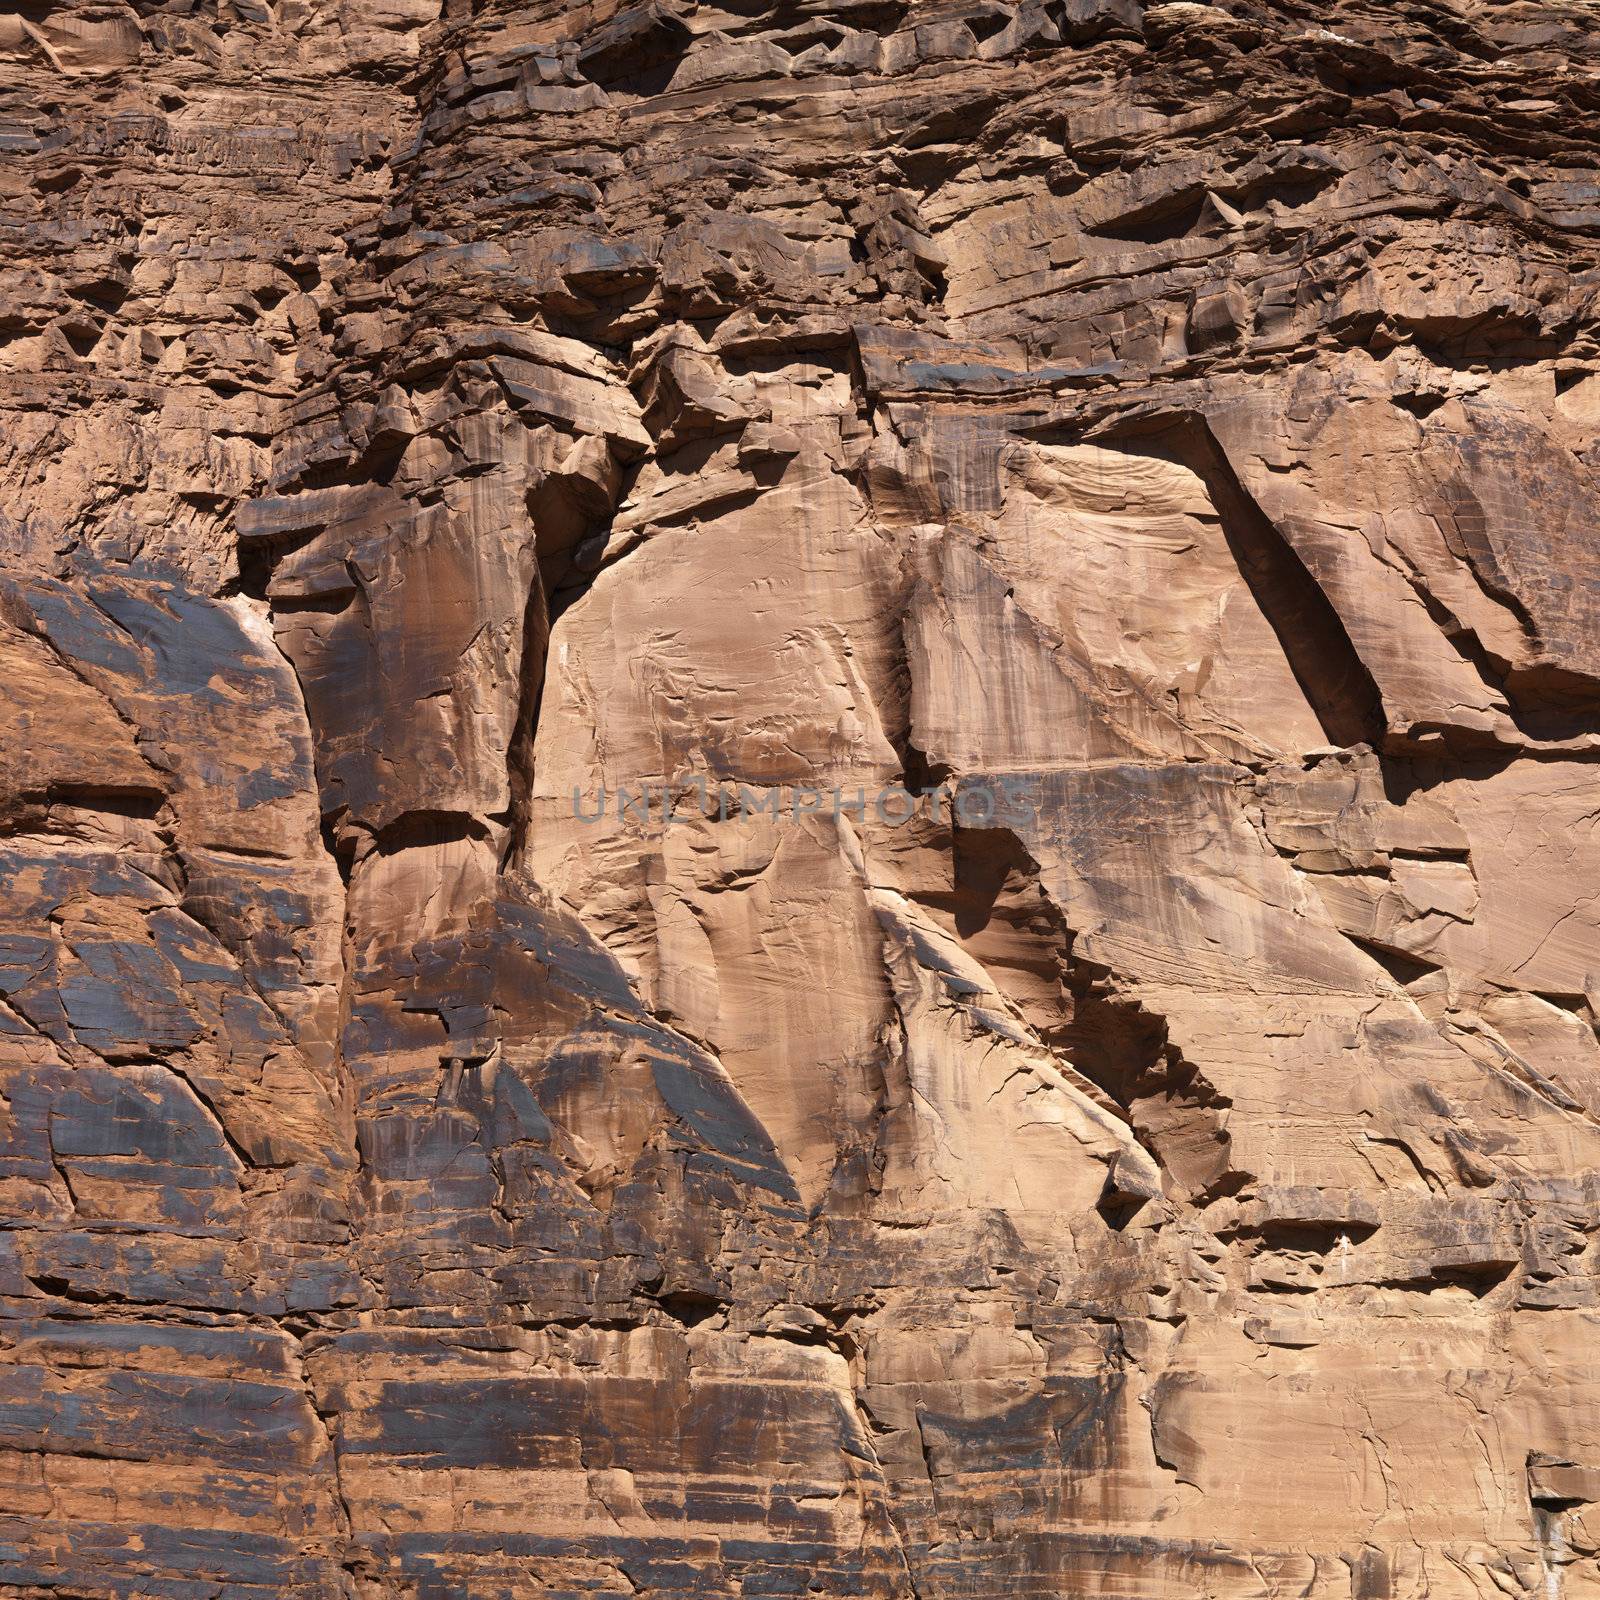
[{"x": 1182, "y": 1181}]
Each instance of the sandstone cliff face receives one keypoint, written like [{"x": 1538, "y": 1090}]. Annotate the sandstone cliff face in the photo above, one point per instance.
[{"x": 1167, "y": 1163}]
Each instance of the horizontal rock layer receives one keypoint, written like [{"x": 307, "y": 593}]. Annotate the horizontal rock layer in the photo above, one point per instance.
[{"x": 800, "y": 799}]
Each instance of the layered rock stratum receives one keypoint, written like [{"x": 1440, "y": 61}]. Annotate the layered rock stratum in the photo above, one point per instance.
[{"x": 1158, "y": 442}]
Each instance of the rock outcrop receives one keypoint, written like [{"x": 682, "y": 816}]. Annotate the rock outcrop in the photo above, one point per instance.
[{"x": 800, "y": 799}]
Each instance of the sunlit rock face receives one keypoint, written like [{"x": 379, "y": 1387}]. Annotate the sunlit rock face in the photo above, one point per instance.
[{"x": 800, "y": 800}]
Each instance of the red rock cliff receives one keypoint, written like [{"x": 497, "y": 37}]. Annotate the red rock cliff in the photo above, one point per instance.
[{"x": 1161, "y": 1164}]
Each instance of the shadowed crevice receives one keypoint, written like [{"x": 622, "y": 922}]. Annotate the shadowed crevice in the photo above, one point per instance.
[{"x": 1325, "y": 663}]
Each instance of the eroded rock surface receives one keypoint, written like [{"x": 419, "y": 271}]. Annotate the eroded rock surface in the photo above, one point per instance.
[{"x": 492, "y": 1101}]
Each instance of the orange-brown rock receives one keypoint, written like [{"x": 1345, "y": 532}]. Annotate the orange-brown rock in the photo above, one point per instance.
[{"x": 800, "y": 799}]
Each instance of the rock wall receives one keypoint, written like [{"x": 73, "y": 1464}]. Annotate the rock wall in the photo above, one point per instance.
[{"x": 1077, "y": 1077}]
